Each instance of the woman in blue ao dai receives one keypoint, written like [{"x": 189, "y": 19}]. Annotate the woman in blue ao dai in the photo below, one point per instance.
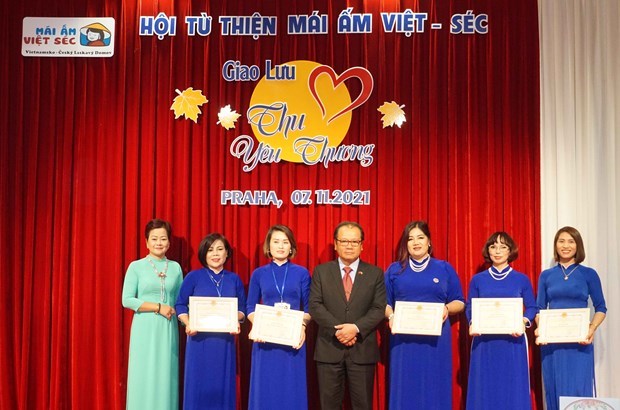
[
  {"x": 150, "y": 288},
  {"x": 421, "y": 365},
  {"x": 278, "y": 374},
  {"x": 490, "y": 386},
  {"x": 568, "y": 368},
  {"x": 211, "y": 357}
]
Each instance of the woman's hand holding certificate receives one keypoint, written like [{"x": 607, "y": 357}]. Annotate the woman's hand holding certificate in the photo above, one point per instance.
[
  {"x": 563, "y": 326},
  {"x": 496, "y": 316},
  {"x": 418, "y": 318},
  {"x": 277, "y": 325},
  {"x": 213, "y": 314}
]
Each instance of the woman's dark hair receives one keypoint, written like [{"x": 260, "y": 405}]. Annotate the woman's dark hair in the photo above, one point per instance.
[
  {"x": 207, "y": 242},
  {"x": 289, "y": 235},
  {"x": 580, "y": 255},
  {"x": 96, "y": 30},
  {"x": 506, "y": 240},
  {"x": 402, "y": 254},
  {"x": 156, "y": 224}
]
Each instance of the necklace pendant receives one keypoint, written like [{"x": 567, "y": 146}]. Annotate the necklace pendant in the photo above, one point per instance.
[{"x": 565, "y": 277}]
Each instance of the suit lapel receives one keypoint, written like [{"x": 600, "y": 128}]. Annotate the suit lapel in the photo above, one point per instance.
[{"x": 336, "y": 277}]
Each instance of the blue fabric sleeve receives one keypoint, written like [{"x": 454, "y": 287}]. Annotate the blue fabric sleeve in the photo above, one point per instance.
[
  {"x": 187, "y": 290},
  {"x": 531, "y": 308},
  {"x": 455, "y": 291},
  {"x": 542, "y": 300},
  {"x": 241, "y": 301},
  {"x": 254, "y": 292},
  {"x": 472, "y": 293},
  {"x": 389, "y": 289},
  {"x": 305, "y": 288},
  {"x": 595, "y": 289}
]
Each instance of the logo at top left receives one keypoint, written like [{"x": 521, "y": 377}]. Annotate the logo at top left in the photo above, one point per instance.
[{"x": 68, "y": 37}]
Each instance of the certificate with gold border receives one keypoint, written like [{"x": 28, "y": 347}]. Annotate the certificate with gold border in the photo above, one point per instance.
[
  {"x": 213, "y": 314},
  {"x": 418, "y": 318},
  {"x": 496, "y": 316},
  {"x": 563, "y": 325},
  {"x": 277, "y": 325}
]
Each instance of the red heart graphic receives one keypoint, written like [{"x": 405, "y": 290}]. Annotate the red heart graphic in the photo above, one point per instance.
[{"x": 358, "y": 72}]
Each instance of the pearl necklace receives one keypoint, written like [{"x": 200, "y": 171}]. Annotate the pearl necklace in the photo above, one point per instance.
[
  {"x": 419, "y": 266},
  {"x": 566, "y": 275},
  {"x": 495, "y": 274}
]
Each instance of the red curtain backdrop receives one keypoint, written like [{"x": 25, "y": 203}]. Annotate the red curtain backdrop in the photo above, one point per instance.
[{"x": 90, "y": 151}]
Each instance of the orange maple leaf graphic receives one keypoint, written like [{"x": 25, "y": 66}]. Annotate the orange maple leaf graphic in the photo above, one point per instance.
[
  {"x": 227, "y": 117},
  {"x": 188, "y": 103},
  {"x": 392, "y": 114}
]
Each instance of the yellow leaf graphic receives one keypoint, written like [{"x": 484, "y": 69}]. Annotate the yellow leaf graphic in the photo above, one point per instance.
[
  {"x": 188, "y": 103},
  {"x": 392, "y": 114},
  {"x": 227, "y": 117}
]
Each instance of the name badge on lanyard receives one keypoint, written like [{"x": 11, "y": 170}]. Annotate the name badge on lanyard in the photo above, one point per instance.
[{"x": 282, "y": 305}]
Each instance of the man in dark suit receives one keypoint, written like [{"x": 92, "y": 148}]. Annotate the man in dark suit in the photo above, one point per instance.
[{"x": 347, "y": 312}]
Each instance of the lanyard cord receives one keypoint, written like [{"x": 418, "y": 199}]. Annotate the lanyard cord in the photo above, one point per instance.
[{"x": 280, "y": 292}]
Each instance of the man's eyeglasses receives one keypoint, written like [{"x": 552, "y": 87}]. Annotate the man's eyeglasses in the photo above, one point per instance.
[{"x": 346, "y": 242}]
